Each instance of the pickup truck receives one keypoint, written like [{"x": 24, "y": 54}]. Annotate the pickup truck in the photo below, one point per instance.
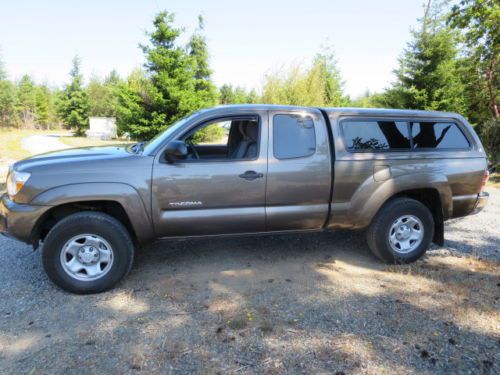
[{"x": 248, "y": 169}]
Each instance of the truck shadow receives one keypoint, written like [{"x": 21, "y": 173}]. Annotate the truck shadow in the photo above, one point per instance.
[{"x": 346, "y": 245}]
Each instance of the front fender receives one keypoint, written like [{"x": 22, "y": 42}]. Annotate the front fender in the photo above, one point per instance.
[
  {"x": 372, "y": 195},
  {"x": 121, "y": 193}
]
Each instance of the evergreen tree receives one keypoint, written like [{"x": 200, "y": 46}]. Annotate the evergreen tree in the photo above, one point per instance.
[
  {"x": 26, "y": 102},
  {"x": 73, "y": 102},
  {"x": 326, "y": 66},
  {"x": 252, "y": 97},
  {"x": 479, "y": 21},
  {"x": 226, "y": 95},
  {"x": 236, "y": 95},
  {"x": 172, "y": 94},
  {"x": 7, "y": 103},
  {"x": 428, "y": 74},
  {"x": 132, "y": 106},
  {"x": 197, "y": 48},
  {"x": 103, "y": 95},
  {"x": 3, "y": 73},
  {"x": 7, "y": 99},
  {"x": 42, "y": 105}
]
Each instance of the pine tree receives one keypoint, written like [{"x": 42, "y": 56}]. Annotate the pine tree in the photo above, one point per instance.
[
  {"x": 7, "y": 99},
  {"x": 3, "y": 73},
  {"x": 26, "y": 102},
  {"x": 132, "y": 107},
  {"x": 236, "y": 95},
  {"x": 73, "y": 102},
  {"x": 172, "y": 94},
  {"x": 42, "y": 105},
  {"x": 428, "y": 74},
  {"x": 206, "y": 92},
  {"x": 479, "y": 22},
  {"x": 103, "y": 95},
  {"x": 179, "y": 77},
  {"x": 329, "y": 75}
]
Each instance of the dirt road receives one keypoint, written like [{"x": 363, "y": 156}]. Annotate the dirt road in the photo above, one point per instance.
[{"x": 38, "y": 144}]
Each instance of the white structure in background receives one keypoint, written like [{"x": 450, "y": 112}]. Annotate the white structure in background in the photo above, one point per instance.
[{"x": 102, "y": 127}]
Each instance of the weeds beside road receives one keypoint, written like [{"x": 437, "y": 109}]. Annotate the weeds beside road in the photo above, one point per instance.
[{"x": 317, "y": 303}]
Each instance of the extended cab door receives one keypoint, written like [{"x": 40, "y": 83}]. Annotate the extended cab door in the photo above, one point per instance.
[
  {"x": 220, "y": 187},
  {"x": 299, "y": 171}
]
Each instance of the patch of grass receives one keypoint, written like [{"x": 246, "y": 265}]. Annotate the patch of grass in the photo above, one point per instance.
[
  {"x": 87, "y": 142},
  {"x": 237, "y": 323}
]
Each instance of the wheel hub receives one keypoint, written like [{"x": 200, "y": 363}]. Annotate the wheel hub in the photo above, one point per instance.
[
  {"x": 88, "y": 255},
  {"x": 403, "y": 232}
]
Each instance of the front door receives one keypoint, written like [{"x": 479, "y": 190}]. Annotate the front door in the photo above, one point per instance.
[{"x": 220, "y": 187}]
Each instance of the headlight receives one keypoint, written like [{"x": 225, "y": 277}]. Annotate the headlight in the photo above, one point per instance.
[{"x": 16, "y": 181}]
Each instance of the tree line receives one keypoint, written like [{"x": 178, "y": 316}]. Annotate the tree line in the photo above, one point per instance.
[{"x": 450, "y": 64}]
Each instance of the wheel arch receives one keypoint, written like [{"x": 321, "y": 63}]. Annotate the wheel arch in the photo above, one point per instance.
[
  {"x": 431, "y": 189},
  {"x": 120, "y": 201}
]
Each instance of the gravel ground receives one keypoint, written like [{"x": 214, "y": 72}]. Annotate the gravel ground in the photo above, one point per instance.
[{"x": 301, "y": 304}]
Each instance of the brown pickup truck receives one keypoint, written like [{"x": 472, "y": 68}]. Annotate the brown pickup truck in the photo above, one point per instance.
[{"x": 236, "y": 170}]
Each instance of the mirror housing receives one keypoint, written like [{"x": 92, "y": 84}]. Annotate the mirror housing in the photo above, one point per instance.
[{"x": 175, "y": 150}]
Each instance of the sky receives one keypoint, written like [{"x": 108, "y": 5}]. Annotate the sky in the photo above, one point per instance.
[{"x": 246, "y": 39}]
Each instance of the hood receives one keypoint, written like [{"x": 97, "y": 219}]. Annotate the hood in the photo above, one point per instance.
[{"x": 74, "y": 155}]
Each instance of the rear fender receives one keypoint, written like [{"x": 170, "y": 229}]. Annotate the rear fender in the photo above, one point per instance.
[{"x": 371, "y": 195}]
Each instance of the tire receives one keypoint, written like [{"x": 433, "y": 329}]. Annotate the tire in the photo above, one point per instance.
[
  {"x": 382, "y": 235},
  {"x": 83, "y": 235}
]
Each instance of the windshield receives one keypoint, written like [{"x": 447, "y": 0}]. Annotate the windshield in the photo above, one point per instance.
[{"x": 160, "y": 137}]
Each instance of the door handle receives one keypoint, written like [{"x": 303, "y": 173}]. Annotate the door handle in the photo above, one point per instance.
[{"x": 251, "y": 175}]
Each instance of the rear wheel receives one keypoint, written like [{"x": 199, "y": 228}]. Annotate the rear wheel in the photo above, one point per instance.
[
  {"x": 401, "y": 232},
  {"x": 87, "y": 252}
]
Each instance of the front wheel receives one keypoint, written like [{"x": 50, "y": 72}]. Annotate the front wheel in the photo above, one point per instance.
[
  {"x": 401, "y": 232},
  {"x": 87, "y": 252}
]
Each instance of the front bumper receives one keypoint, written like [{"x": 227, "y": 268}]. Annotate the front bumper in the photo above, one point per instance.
[
  {"x": 482, "y": 201},
  {"x": 19, "y": 220}
]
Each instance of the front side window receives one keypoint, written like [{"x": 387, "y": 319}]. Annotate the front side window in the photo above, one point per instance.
[
  {"x": 438, "y": 135},
  {"x": 224, "y": 139},
  {"x": 371, "y": 135},
  {"x": 293, "y": 136},
  {"x": 216, "y": 133}
]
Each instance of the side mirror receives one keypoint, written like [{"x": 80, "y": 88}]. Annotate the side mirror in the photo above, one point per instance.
[{"x": 175, "y": 150}]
